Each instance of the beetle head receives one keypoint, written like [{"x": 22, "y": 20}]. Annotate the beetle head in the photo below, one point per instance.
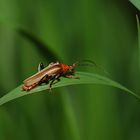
[{"x": 69, "y": 69}]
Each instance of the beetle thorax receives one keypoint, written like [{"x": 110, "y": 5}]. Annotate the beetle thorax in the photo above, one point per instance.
[{"x": 66, "y": 68}]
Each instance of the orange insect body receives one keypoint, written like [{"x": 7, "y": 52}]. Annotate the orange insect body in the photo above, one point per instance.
[
  {"x": 49, "y": 74},
  {"x": 66, "y": 68}
]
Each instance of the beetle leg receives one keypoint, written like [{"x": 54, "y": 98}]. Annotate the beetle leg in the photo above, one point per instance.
[
  {"x": 40, "y": 66},
  {"x": 72, "y": 77},
  {"x": 44, "y": 80},
  {"x": 57, "y": 77},
  {"x": 57, "y": 80},
  {"x": 50, "y": 85}
]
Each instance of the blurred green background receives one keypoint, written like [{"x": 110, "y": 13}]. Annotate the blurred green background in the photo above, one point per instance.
[{"x": 103, "y": 31}]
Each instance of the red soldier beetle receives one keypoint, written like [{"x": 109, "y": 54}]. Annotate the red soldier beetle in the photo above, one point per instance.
[{"x": 50, "y": 74}]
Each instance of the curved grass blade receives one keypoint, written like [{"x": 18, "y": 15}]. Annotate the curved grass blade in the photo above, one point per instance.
[
  {"x": 138, "y": 28},
  {"x": 85, "y": 78},
  {"x": 44, "y": 49},
  {"x": 136, "y": 3}
]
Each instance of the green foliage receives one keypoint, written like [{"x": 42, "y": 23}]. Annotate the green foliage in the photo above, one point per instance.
[
  {"x": 103, "y": 31},
  {"x": 136, "y": 3},
  {"x": 138, "y": 26},
  {"x": 85, "y": 78}
]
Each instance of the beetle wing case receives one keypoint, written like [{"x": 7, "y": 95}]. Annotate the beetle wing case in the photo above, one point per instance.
[{"x": 51, "y": 70}]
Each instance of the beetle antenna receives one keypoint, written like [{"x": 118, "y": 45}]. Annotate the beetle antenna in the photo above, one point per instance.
[{"x": 87, "y": 62}]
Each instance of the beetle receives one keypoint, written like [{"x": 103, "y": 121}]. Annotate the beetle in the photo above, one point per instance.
[{"x": 50, "y": 74}]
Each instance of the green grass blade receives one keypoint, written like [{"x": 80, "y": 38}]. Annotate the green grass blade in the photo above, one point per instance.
[
  {"x": 85, "y": 78},
  {"x": 136, "y": 3},
  {"x": 138, "y": 27}
]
